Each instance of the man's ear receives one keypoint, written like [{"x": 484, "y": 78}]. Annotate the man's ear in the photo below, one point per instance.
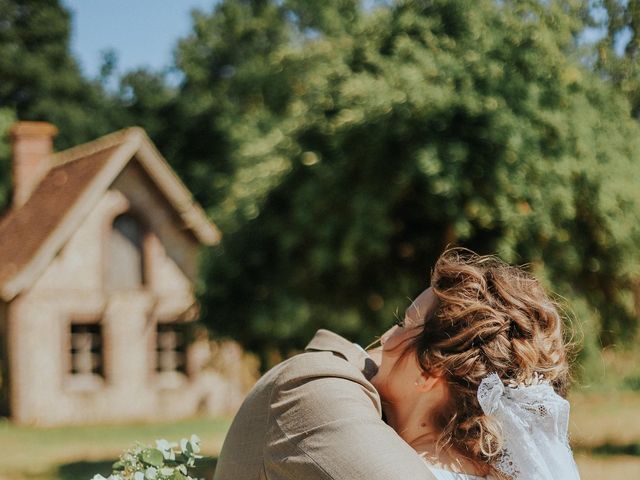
[{"x": 427, "y": 382}]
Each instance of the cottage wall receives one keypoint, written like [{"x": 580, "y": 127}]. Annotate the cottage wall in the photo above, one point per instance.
[{"x": 73, "y": 289}]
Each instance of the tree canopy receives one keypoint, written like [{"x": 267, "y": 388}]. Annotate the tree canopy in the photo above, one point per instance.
[
  {"x": 355, "y": 152},
  {"x": 618, "y": 51},
  {"x": 342, "y": 145},
  {"x": 40, "y": 78}
]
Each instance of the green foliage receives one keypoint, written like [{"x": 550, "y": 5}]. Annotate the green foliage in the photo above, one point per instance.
[
  {"x": 228, "y": 76},
  {"x": 355, "y": 155},
  {"x": 147, "y": 101},
  {"x": 340, "y": 148},
  {"x": 40, "y": 79},
  {"x": 7, "y": 117},
  {"x": 618, "y": 52}
]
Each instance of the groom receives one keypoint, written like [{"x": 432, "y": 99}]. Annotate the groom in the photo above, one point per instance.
[{"x": 316, "y": 416}]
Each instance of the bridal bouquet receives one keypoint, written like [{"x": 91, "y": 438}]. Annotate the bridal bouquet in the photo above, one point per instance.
[{"x": 143, "y": 462}]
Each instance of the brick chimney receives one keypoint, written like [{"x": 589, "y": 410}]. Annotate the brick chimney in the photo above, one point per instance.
[{"x": 32, "y": 145}]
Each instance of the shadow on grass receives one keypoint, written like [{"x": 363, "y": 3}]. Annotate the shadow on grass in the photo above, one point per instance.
[
  {"x": 86, "y": 470},
  {"x": 205, "y": 468},
  {"x": 614, "y": 449}
]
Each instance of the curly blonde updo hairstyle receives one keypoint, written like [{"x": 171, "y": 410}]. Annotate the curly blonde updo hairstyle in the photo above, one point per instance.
[{"x": 490, "y": 318}]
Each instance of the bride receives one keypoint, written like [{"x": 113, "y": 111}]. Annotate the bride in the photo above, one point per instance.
[{"x": 472, "y": 376}]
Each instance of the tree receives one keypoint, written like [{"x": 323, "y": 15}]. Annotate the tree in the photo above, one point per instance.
[
  {"x": 341, "y": 145},
  {"x": 40, "y": 79},
  {"x": 618, "y": 52},
  {"x": 353, "y": 156}
]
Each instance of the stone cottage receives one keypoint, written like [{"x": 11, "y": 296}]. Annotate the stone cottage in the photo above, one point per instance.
[{"x": 98, "y": 259}]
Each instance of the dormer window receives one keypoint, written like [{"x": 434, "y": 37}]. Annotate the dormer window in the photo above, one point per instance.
[{"x": 125, "y": 266}]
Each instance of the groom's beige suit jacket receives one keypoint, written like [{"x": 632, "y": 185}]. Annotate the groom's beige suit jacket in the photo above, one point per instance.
[{"x": 317, "y": 416}]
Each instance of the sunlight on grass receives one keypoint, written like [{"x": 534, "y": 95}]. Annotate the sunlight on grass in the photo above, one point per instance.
[
  {"x": 610, "y": 468},
  {"x": 29, "y": 452},
  {"x": 605, "y": 418}
]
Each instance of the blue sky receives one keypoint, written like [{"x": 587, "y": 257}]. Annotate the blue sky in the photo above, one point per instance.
[{"x": 142, "y": 32}]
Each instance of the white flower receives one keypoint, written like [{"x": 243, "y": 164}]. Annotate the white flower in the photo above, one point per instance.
[
  {"x": 151, "y": 473},
  {"x": 166, "y": 471},
  {"x": 195, "y": 443},
  {"x": 190, "y": 449},
  {"x": 166, "y": 448}
]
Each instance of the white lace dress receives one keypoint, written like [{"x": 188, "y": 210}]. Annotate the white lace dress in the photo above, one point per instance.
[{"x": 449, "y": 475}]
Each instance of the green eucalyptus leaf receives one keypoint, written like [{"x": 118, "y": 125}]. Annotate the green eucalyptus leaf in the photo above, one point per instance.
[{"x": 153, "y": 457}]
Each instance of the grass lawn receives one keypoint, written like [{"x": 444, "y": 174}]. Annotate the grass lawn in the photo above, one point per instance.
[
  {"x": 605, "y": 432},
  {"x": 613, "y": 467},
  {"x": 78, "y": 452},
  {"x": 601, "y": 419}
]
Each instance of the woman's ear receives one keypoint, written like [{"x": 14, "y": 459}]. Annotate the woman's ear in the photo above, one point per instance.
[{"x": 426, "y": 382}]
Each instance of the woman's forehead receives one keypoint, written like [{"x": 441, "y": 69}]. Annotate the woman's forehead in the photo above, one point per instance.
[{"x": 422, "y": 304}]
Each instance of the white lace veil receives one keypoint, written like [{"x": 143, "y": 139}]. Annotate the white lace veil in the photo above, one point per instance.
[{"x": 534, "y": 421}]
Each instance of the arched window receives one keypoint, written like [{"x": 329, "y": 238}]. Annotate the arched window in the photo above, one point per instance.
[{"x": 125, "y": 265}]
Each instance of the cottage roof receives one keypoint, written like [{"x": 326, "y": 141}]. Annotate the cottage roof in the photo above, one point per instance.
[{"x": 30, "y": 236}]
